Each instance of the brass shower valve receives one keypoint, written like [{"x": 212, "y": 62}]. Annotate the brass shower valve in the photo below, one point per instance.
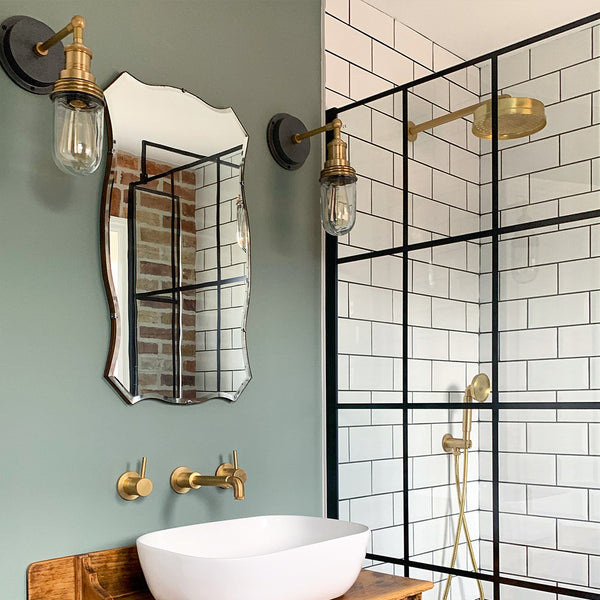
[{"x": 131, "y": 485}]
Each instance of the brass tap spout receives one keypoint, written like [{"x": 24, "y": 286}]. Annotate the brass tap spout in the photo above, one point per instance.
[{"x": 226, "y": 476}]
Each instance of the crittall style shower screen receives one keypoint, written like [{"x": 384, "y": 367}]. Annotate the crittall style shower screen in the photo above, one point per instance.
[{"x": 473, "y": 256}]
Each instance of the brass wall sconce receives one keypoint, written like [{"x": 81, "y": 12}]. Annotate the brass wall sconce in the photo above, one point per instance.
[
  {"x": 288, "y": 142},
  {"x": 46, "y": 67},
  {"x": 131, "y": 484},
  {"x": 517, "y": 117}
]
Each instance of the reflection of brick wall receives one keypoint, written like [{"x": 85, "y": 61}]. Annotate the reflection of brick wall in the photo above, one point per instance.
[{"x": 153, "y": 236}]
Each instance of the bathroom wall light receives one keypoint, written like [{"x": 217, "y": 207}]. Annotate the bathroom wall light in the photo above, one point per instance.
[
  {"x": 40, "y": 68},
  {"x": 288, "y": 142}
]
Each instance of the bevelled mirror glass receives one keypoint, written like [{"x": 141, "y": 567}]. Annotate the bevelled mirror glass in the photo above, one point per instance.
[{"x": 175, "y": 246}]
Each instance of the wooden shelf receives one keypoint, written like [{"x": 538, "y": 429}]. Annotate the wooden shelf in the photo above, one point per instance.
[{"x": 116, "y": 574}]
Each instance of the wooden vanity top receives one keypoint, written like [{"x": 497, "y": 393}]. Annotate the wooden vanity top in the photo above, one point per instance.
[{"x": 116, "y": 574}]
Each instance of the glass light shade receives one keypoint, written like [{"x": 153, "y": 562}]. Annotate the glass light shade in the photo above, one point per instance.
[
  {"x": 338, "y": 204},
  {"x": 78, "y": 132},
  {"x": 243, "y": 231}
]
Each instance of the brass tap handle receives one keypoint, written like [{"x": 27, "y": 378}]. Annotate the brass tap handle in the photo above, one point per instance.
[
  {"x": 231, "y": 470},
  {"x": 131, "y": 485},
  {"x": 183, "y": 480}
]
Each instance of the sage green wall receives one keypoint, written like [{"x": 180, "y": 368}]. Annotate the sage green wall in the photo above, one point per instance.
[{"x": 65, "y": 435}]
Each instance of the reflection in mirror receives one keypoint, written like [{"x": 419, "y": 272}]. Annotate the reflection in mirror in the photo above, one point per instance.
[{"x": 175, "y": 246}]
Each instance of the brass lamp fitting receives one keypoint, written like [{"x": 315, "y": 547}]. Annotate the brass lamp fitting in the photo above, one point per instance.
[{"x": 337, "y": 164}]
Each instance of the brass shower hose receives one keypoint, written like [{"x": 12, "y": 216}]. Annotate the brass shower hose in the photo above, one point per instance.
[{"x": 462, "y": 522}]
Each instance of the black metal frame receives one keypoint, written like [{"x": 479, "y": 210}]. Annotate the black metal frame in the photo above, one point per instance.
[
  {"x": 331, "y": 334},
  {"x": 173, "y": 294}
]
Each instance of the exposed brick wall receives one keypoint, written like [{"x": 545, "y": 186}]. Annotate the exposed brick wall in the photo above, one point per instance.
[{"x": 153, "y": 237}]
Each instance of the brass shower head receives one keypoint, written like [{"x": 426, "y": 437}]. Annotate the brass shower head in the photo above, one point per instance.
[
  {"x": 517, "y": 117},
  {"x": 479, "y": 389}
]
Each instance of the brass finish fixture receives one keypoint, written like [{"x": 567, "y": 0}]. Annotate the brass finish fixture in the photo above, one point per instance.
[
  {"x": 517, "y": 117},
  {"x": 132, "y": 485},
  {"x": 288, "y": 142},
  {"x": 226, "y": 476}
]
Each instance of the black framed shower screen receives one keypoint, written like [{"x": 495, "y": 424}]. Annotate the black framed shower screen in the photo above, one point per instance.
[{"x": 493, "y": 233}]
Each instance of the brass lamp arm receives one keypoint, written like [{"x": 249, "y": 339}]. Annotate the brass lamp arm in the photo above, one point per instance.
[
  {"x": 335, "y": 124},
  {"x": 413, "y": 129},
  {"x": 75, "y": 26}
]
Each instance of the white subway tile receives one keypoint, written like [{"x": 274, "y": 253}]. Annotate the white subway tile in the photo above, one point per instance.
[
  {"x": 546, "y": 501},
  {"x": 347, "y": 42},
  {"x": 513, "y": 375},
  {"x": 579, "y": 145},
  {"x": 354, "y": 337},
  {"x": 527, "y": 468},
  {"x": 343, "y": 372},
  {"x": 579, "y": 276},
  {"x": 513, "y": 68},
  {"x": 596, "y": 107},
  {"x": 420, "y": 311},
  {"x": 389, "y": 541},
  {"x": 563, "y": 567},
  {"x": 529, "y": 282},
  {"x": 512, "y": 192},
  {"x": 464, "y": 164},
  {"x": 546, "y": 89},
  {"x": 373, "y": 22},
  {"x": 371, "y": 161},
  {"x": 430, "y": 471},
  {"x": 579, "y": 471},
  {"x": 447, "y": 314},
  {"x": 594, "y": 438},
  {"x": 387, "y": 475},
  {"x": 449, "y": 189},
  {"x": 419, "y": 178},
  {"x": 580, "y": 340},
  {"x": 512, "y": 254},
  {"x": 567, "y": 309},
  {"x": 566, "y": 116},
  {"x": 512, "y": 438},
  {"x": 464, "y": 346},
  {"x": 442, "y": 59},
  {"x": 559, "y": 246},
  {"x": 387, "y": 339},
  {"x": 576, "y": 416},
  {"x": 560, "y": 374},
  {"x": 419, "y": 374},
  {"x": 371, "y": 233},
  {"x": 343, "y": 450},
  {"x": 534, "y": 156},
  {"x": 462, "y": 221},
  {"x": 512, "y": 496},
  {"x": 344, "y": 510},
  {"x": 432, "y": 151},
  {"x": 387, "y": 201},
  {"x": 387, "y": 132},
  {"x": 413, "y": 44},
  {"x": 452, "y": 255},
  {"x": 354, "y": 479},
  {"x": 419, "y": 505},
  {"x": 595, "y": 506},
  {"x": 370, "y": 443},
  {"x": 580, "y": 203},
  {"x": 560, "y": 52},
  {"x": 529, "y": 214},
  {"x": 431, "y": 215},
  {"x": 391, "y": 65},
  {"x": 342, "y": 299},
  {"x": 351, "y": 418},
  {"x": 464, "y": 286},
  {"x": 527, "y": 530},
  {"x": 364, "y": 83},
  {"x": 448, "y": 376},
  {"x": 357, "y": 122},
  {"x": 359, "y": 272},
  {"x": 339, "y": 9},
  {"x": 337, "y": 74},
  {"x": 373, "y": 511},
  {"x": 431, "y": 280},
  {"x": 595, "y": 571},
  {"x": 419, "y": 109},
  {"x": 557, "y": 438},
  {"x": 580, "y": 79},
  {"x": 560, "y": 182},
  {"x": 576, "y": 536},
  {"x": 430, "y": 343},
  {"x": 513, "y": 559},
  {"x": 332, "y": 99},
  {"x": 371, "y": 373},
  {"x": 370, "y": 303},
  {"x": 419, "y": 440}
]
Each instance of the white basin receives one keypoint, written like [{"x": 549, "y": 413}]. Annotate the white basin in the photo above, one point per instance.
[{"x": 257, "y": 558}]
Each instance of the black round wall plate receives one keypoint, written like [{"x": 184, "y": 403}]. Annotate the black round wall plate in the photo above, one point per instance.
[{"x": 287, "y": 153}]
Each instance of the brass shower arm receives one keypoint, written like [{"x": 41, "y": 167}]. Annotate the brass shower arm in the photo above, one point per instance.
[
  {"x": 414, "y": 130},
  {"x": 75, "y": 26}
]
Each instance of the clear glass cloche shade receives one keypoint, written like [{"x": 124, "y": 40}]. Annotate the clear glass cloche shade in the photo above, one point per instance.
[
  {"x": 78, "y": 132},
  {"x": 338, "y": 204}
]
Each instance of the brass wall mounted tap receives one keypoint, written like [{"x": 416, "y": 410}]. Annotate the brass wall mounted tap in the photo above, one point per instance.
[
  {"x": 132, "y": 485},
  {"x": 227, "y": 475}
]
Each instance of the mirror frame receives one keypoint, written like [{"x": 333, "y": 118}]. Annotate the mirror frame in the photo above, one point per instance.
[{"x": 111, "y": 294}]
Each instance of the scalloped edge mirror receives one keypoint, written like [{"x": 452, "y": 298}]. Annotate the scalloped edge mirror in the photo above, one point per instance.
[{"x": 175, "y": 246}]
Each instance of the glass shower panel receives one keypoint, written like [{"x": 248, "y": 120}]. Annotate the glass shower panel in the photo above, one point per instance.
[
  {"x": 550, "y": 496},
  {"x": 549, "y": 315},
  {"x": 370, "y": 475}
]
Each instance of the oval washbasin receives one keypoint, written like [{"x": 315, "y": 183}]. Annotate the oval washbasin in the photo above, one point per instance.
[{"x": 255, "y": 558}]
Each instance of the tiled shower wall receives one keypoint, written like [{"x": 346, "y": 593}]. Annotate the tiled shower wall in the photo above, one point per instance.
[{"x": 549, "y": 464}]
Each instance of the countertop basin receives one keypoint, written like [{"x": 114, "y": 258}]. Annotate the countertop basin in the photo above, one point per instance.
[{"x": 255, "y": 558}]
